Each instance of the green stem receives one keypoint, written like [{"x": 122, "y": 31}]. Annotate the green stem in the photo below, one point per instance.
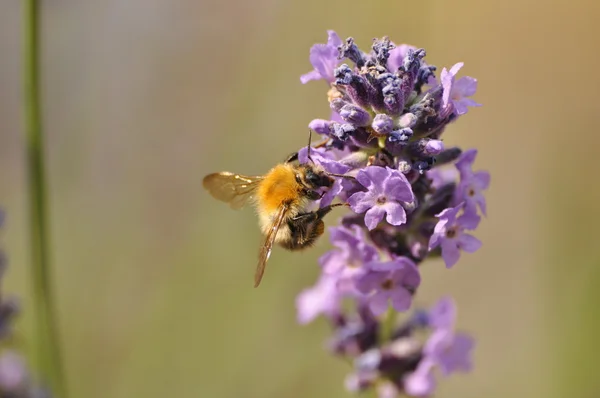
[
  {"x": 387, "y": 325},
  {"x": 49, "y": 360}
]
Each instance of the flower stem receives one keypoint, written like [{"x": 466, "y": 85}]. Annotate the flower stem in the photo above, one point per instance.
[
  {"x": 387, "y": 325},
  {"x": 49, "y": 363}
]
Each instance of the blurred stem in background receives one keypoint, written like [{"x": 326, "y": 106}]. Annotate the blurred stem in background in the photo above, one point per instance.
[{"x": 49, "y": 363}]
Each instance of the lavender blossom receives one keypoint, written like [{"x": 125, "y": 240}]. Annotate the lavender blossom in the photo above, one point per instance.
[
  {"x": 472, "y": 184},
  {"x": 324, "y": 59},
  {"x": 387, "y": 190},
  {"x": 450, "y": 236},
  {"x": 457, "y": 91},
  {"x": 412, "y": 198},
  {"x": 445, "y": 349},
  {"x": 323, "y": 298},
  {"x": 395, "y": 281}
]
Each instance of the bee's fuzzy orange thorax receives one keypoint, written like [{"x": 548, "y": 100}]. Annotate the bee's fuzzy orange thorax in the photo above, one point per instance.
[{"x": 279, "y": 186}]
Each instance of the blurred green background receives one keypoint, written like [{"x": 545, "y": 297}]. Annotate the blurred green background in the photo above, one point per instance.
[{"x": 154, "y": 278}]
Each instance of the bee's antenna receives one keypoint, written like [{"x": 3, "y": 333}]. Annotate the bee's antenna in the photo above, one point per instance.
[{"x": 308, "y": 147}]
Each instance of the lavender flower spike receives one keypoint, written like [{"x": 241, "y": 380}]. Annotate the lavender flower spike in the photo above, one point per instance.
[
  {"x": 324, "y": 59},
  {"x": 386, "y": 190},
  {"x": 384, "y": 144}
]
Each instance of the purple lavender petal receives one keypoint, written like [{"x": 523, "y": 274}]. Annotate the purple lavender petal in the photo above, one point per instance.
[
  {"x": 319, "y": 299},
  {"x": 373, "y": 217},
  {"x": 483, "y": 179},
  {"x": 438, "y": 234},
  {"x": 452, "y": 352},
  {"x": 421, "y": 382},
  {"x": 320, "y": 126},
  {"x": 450, "y": 252},
  {"x": 332, "y": 262},
  {"x": 470, "y": 219},
  {"x": 396, "y": 215},
  {"x": 324, "y": 59},
  {"x": 462, "y": 105},
  {"x": 469, "y": 243},
  {"x": 466, "y": 86},
  {"x": 387, "y": 265},
  {"x": 373, "y": 178},
  {"x": 330, "y": 195},
  {"x": 359, "y": 202},
  {"x": 368, "y": 282},
  {"x": 410, "y": 277},
  {"x": 312, "y": 75},
  {"x": 443, "y": 314},
  {"x": 457, "y": 356},
  {"x": 399, "y": 188},
  {"x": 378, "y": 303},
  {"x": 401, "y": 299},
  {"x": 465, "y": 162}
]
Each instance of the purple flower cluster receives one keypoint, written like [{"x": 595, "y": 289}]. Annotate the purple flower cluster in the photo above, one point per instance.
[
  {"x": 412, "y": 198},
  {"x": 15, "y": 379},
  {"x": 407, "y": 363}
]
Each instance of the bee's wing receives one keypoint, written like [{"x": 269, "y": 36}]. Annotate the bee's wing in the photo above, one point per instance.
[
  {"x": 235, "y": 189},
  {"x": 265, "y": 250}
]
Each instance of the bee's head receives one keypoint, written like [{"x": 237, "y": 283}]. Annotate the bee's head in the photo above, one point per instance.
[{"x": 314, "y": 177}]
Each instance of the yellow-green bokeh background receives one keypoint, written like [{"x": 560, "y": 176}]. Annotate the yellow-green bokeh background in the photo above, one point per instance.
[{"x": 154, "y": 278}]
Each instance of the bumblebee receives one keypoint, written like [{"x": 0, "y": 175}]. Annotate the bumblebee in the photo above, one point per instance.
[{"x": 281, "y": 197}]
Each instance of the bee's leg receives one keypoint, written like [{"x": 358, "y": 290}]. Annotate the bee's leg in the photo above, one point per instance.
[
  {"x": 316, "y": 215},
  {"x": 305, "y": 228},
  {"x": 341, "y": 176}
]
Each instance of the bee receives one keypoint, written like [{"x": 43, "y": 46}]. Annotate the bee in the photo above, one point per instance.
[{"x": 281, "y": 198}]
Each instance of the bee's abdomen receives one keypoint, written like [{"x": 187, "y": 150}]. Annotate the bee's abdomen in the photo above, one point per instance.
[{"x": 303, "y": 235}]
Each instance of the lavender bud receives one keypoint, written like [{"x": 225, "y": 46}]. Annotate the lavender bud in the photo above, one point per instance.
[
  {"x": 369, "y": 360},
  {"x": 357, "y": 86},
  {"x": 404, "y": 166},
  {"x": 393, "y": 98},
  {"x": 343, "y": 74},
  {"x": 434, "y": 147},
  {"x": 381, "y": 50},
  {"x": 423, "y": 165},
  {"x": 337, "y": 104},
  {"x": 426, "y": 147},
  {"x": 355, "y": 115},
  {"x": 382, "y": 123},
  {"x": 356, "y": 159},
  {"x": 412, "y": 62},
  {"x": 401, "y": 136},
  {"x": 342, "y": 131},
  {"x": 407, "y": 120},
  {"x": 350, "y": 50},
  {"x": 320, "y": 126},
  {"x": 356, "y": 382},
  {"x": 448, "y": 156},
  {"x": 423, "y": 109},
  {"x": 425, "y": 73}
]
